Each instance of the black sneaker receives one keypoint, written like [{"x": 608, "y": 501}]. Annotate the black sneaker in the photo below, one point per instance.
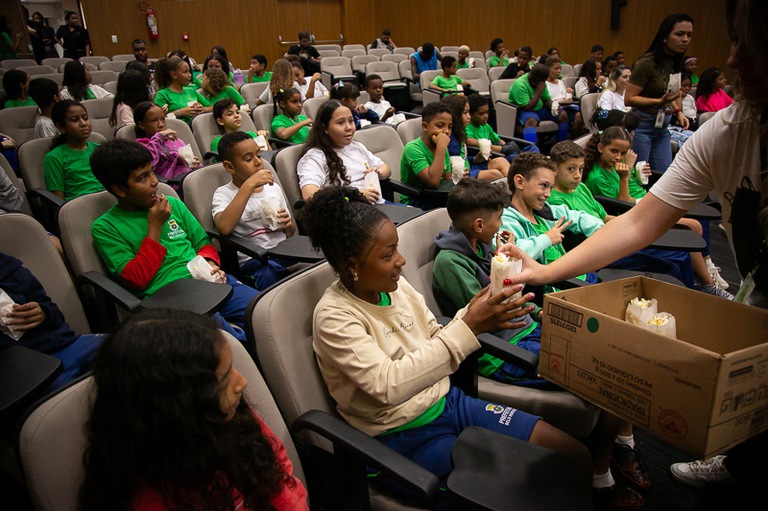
[
  {"x": 625, "y": 462},
  {"x": 618, "y": 497}
]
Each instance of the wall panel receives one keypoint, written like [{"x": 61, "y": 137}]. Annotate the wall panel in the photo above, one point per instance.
[{"x": 246, "y": 26}]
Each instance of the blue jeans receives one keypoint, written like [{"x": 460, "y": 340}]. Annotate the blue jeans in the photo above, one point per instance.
[{"x": 650, "y": 143}]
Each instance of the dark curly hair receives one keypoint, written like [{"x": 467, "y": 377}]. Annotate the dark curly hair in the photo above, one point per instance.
[
  {"x": 217, "y": 82},
  {"x": 457, "y": 103},
  {"x": 156, "y": 422},
  {"x": 341, "y": 222},
  {"x": 318, "y": 138}
]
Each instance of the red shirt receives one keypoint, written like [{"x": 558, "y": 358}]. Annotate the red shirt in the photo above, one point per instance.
[{"x": 290, "y": 499}]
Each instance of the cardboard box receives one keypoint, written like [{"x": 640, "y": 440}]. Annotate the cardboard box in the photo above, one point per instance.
[{"x": 703, "y": 392}]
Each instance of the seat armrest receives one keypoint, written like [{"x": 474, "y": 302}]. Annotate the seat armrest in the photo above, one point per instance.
[
  {"x": 406, "y": 189},
  {"x": 241, "y": 245},
  {"x": 502, "y": 349},
  {"x": 508, "y": 352},
  {"x": 115, "y": 291},
  {"x": 613, "y": 206},
  {"x": 420, "y": 481},
  {"x": 516, "y": 140},
  {"x": 279, "y": 144},
  {"x": 54, "y": 200}
]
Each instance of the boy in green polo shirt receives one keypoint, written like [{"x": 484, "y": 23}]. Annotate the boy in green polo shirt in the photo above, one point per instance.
[
  {"x": 529, "y": 93},
  {"x": 448, "y": 81},
  {"x": 257, "y": 71},
  {"x": 425, "y": 161},
  {"x": 147, "y": 239}
]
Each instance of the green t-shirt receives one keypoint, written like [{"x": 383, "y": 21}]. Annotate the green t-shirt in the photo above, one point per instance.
[
  {"x": 449, "y": 83},
  {"x": 651, "y": 78},
  {"x": 416, "y": 158},
  {"x": 494, "y": 61},
  {"x": 229, "y": 92},
  {"x": 484, "y": 131},
  {"x": 179, "y": 100},
  {"x": 554, "y": 252},
  {"x": 69, "y": 170},
  {"x": 265, "y": 78},
  {"x": 521, "y": 93},
  {"x": 283, "y": 121},
  {"x": 11, "y": 103},
  {"x": 606, "y": 182},
  {"x": 465, "y": 65},
  {"x": 6, "y": 47},
  {"x": 118, "y": 234},
  {"x": 215, "y": 141},
  {"x": 580, "y": 199}
]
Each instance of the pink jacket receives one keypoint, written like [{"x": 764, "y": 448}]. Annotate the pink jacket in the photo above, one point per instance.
[
  {"x": 166, "y": 161},
  {"x": 714, "y": 102}
]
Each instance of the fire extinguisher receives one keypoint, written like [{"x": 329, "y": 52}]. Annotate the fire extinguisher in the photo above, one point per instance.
[{"x": 151, "y": 20}]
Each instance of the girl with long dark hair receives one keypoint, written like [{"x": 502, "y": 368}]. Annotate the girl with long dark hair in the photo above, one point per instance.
[{"x": 169, "y": 429}]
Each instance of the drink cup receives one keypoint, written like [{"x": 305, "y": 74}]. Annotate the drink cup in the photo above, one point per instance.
[
  {"x": 457, "y": 169},
  {"x": 485, "y": 147}
]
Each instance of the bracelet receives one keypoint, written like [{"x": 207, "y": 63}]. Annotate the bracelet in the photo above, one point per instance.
[{"x": 678, "y": 110}]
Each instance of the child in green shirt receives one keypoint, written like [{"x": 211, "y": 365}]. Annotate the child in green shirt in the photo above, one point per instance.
[
  {"x": 67, "y": 165},
  {"x": 257, "y": 71},
  {"x": 173, "y": 76},
  {"x": 216, "y": 86},
  {"x": 448, "y": 81},
  {"x": 290, "y": 125},
  {"x": 147, "y": 239},
  {"x": 15, "y": 84},
  {"x": 425, "y": 162},
  {"x": 501, "y": 57},
  {"x": 463, "y": 267},
  {"x": 228, "y": 117}
]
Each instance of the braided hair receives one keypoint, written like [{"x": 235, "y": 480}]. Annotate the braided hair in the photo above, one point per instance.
[{"x": 342, "y": 223}]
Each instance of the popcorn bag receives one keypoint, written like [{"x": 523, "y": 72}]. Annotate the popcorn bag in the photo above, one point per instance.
[
  {"x": 200, "y": 269},
  {"x": 6, "y": 307},
  {"x": 372, "y": 182},
  {"x": 662, "y": 323},
  {"x": 186, "y": 152},
  {"x": 270, "y": 205},
  {"x": 640, "y": 310},
  {"x": 503, "y": 269}
]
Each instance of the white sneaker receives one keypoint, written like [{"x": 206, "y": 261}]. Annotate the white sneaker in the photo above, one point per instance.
[
  {"x": 702, "y": 473},
  {"x": 714, "y": 272},
  {"x": 717, "y": 291}
]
